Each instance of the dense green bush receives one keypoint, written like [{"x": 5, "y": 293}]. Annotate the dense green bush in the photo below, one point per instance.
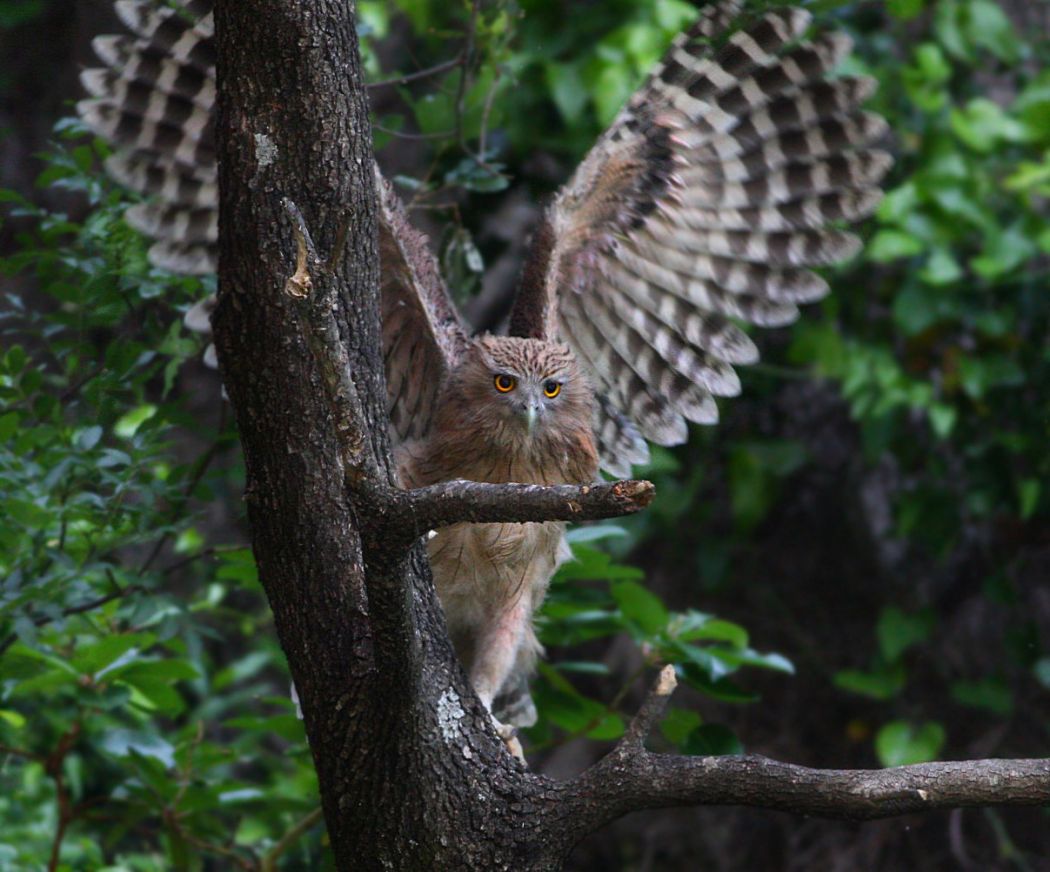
[{"x": 144, "y": 719}]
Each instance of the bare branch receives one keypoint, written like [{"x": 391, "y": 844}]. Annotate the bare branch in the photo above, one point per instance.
[
  {"x": 435, "y": 70},
  {"x": 652, "y": 709},
  {"x": 413, "y": 512},
  {"x": 80, "y": 609},
  {"x": 622, "y": 783},
  {"x": 632, "y": 778}
]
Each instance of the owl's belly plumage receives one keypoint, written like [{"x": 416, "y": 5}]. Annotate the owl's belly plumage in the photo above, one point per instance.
[
  {"x": 483, "y": 570},
  {"x": 491, "y": 578}
]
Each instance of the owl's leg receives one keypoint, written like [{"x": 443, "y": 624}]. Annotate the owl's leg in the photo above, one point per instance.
[
  {"x": 496, "y": 649},
  {"x": 495, "y": 653}
]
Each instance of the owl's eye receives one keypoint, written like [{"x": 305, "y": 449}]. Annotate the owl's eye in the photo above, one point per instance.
[
  {"x": 551, "y": 389},
  {"x": 505, "y": 383}
]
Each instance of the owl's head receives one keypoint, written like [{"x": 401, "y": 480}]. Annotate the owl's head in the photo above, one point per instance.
[{"x": 526, "y": 388}]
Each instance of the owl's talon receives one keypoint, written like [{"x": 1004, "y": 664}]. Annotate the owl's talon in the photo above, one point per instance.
[{"x": 509, "y": 734}]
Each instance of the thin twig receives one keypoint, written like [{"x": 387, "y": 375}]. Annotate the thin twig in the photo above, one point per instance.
[
  {"x": 444, "y": 134},
  {"x": 485, "y": 113},
  {"x": 81, "y": 609},
  {"x": 435, "y": 70},
  {"x": 652, "y": 709},
  {"x": 465, "y": 71},
  {"x": 270, "y": 858}
]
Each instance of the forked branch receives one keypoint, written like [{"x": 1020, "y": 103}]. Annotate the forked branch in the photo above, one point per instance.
[{"x": 632, "y": 778}]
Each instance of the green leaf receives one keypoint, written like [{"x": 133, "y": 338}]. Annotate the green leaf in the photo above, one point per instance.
[
  {"x": 1028, "y": 492},
  {"x": 129, "y": 423},
  {"x": 678, "y": 723},
  {"x": 898, "y": 631},
  {"x": 88, "y": 438},
  {"x": 12, "y": 718},
  {"x": 92, "y": 658},
  {"x": 1041, "y": 671},
  {"x": 882, "y": 684},
  {"x": 8, "y": 425},
  {"x": 640, "y": 606},
  {"x": 900, "y": 743},
  {"x": 750, "y": 657},
  {"x": 905, "y": 9},
  {"x": 942, "y": 419},
  {"x": 156, "y": 670},
  {"x": 723, "y": 689},
  {"x": 990, "y": 28},
  {"x": 594, "y": 533},
  {"x": 125, "y": 743},
  {"x": 890, "y": 245},
  {"x": 610, "y": 727},
  {"x": 695, "y": 626},
  {"x": 610, "y": 90},
  {"x": 941, "y": 268},
  {"x": 982, "y": 124},
  {"x": 712, "y": 740},
  {"x": 566, "y": 89},
  {"x": 990, "y": 694}
]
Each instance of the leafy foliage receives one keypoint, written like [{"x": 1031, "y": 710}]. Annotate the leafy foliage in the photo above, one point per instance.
[{"x": 135, "y": 696}]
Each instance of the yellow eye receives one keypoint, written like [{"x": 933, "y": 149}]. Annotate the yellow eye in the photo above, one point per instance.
[
  {"x": 505, "y": 383},
  {"x": 551, "y": 389}
]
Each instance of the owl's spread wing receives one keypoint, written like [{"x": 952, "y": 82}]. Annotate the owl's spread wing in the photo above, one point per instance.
[
  {"x": 153, "y": 101},
  {"x": 715, "y": 189},
  {"x": 423, "y": 335}
]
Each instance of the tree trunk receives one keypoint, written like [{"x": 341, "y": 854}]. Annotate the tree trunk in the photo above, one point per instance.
[{"x": 411, "y": 774}]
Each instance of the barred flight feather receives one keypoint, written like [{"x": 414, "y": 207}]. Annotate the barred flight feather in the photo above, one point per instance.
[
  {"x": 169, "y": 30},
  {"x": 681, "y": 388},
  {"x": 170, "y": 183},
  {"x": 713, "y": 374},
  {"x": 191, "y": 259},
  {"x": 850, "y": 204},
  {"x": 695, "y": 278},
  {"x": 618, "y": 439},
  {"x": 175, "y": 222},
  {"x": 708, "y": 331}
]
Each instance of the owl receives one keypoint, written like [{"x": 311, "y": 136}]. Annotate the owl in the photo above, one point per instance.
[{"x": 702, "y": 209}]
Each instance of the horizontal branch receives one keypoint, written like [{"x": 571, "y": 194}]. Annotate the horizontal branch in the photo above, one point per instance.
[
  {"x": 632, "y": 778},
  {"x": 411, "y": 513},
  {"x": 660, "y": 780}
]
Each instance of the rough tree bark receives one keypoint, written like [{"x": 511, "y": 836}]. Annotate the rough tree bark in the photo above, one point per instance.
[{"x": 411, "y": 774}]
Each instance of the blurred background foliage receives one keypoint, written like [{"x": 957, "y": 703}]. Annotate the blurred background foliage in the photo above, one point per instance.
[{"x": 849, "y": 571}]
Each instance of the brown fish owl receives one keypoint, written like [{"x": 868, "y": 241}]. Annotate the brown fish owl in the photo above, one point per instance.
[
  {"x": 724, "y": 179},
  {"x": 514, "y": 410}
]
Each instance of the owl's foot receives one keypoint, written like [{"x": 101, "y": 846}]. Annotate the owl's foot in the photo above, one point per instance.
[{"x": 509, "y": 734}]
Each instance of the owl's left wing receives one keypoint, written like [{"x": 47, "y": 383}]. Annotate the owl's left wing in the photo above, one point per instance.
[{"x": 715, "y": 189}]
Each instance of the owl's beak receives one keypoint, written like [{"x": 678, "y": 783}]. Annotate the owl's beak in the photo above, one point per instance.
[{"x": 532, "y": 413}]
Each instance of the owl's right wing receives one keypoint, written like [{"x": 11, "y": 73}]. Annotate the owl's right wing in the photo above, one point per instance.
[
  {"x": 153, "y": 101},
  {"x": 724, "y": 180}
]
